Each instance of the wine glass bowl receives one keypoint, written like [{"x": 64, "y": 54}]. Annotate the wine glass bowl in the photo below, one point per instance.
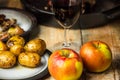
[{"x": 66, "y": 12}]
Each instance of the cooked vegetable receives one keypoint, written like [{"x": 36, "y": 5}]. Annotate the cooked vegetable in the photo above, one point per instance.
[
  {"x": 3, "y": 46},
  {"x": 16, "y": 49},
  {"x": 15, "y": 40},
  {"x": 36, "y": 45},
  {"x": 29, "y": 59},
  {"x": 7, "y": 59},
  {"x": 9, "y": 27},
  {"x": 15, "y": 30}
]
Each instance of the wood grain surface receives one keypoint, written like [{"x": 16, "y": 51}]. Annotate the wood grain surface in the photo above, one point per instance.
[{"x": 109, "y": 33}]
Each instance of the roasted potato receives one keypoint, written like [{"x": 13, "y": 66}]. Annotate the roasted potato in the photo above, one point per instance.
[
  {"x": 16, "y": 49},
  {"x": 7, "y": 59},
  {"x": 15, "y": 40},
  {"x": 29, "y": 59},
  {"x": 36, "y": 45},
  {"x": 15, "y": 30},
  {"x": 3, "y": 46}
]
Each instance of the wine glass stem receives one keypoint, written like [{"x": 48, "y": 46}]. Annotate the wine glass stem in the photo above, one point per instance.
[{"x": 66, "y": 44}]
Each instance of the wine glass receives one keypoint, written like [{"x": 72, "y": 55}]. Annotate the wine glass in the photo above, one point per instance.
[{"x": 66, "y": 13}]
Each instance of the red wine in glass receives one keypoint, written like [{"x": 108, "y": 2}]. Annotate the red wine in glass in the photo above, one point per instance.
[{"x": 66, "y": 13}]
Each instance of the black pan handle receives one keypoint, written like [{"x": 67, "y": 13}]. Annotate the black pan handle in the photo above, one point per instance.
[{"x": 113, "y": 13}]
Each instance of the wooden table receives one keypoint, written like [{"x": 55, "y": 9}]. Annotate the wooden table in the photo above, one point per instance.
[{"x": 109, "y": 33}]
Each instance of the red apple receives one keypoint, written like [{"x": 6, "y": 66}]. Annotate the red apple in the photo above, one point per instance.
[
  {"x": 65, "y": 64},
  {"x": 96, "y": 56}
]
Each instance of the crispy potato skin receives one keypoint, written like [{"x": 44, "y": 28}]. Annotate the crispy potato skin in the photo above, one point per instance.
[
  {"x": 3, "y": 46},
  {"x": 16, "y": 49},
  {"x": 15, "y": 40},
  {"x": 7, "y": 59},
  {"x": 36, "y": 45},
  {"x": 17, "y": 30},
  {"x": 29, "y": 59}
]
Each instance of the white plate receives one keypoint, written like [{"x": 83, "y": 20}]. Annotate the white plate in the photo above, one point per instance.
[{"x": 23, "y": 73}]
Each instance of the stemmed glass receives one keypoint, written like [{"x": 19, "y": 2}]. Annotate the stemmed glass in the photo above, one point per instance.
[{"x": 66, "y": 13}]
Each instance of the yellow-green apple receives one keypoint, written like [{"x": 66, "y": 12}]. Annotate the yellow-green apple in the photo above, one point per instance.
[
  {"x": 96, "y": 56},
  {"x": 65, "y": 64}
]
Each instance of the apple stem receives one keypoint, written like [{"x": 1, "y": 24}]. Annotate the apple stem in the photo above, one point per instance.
[
  {"x": 98, "y": 45},
  {"x": 66, "y": 54}
]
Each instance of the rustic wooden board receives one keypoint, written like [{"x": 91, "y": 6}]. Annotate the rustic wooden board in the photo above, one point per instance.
[{"x": 109, "y": 33}]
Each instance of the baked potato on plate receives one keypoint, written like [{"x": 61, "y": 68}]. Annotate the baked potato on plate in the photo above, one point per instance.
[{"x": 25, "y": 73}]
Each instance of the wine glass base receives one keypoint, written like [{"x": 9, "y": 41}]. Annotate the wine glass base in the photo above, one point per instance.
[{"x": 74, "y": 46}]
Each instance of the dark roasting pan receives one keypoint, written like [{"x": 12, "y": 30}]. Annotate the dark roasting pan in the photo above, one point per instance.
[{"x": 98, "y": 14}]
